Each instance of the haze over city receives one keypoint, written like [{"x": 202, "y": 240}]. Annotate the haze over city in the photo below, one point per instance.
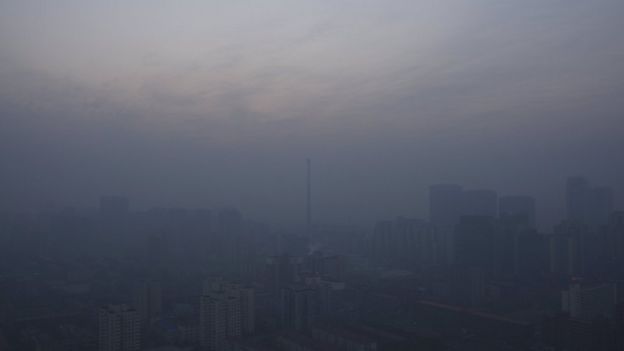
[
  {"x": 329, "y": 175},
  {"x": 214, "y": 103}
]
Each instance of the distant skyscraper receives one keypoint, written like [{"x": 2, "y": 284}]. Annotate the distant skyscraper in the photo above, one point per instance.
[
  {"x": 601, "y": 206},
  {"x": 227, "y": 310},
  {"x": 404, "y": 243},
  {"x": 298, "y": 307},
  {"x": 566, "y": 248},
  {"x": 615, "y": 234},
  {"x": 281, "y": 271},
  {"x": 586, "y": 204},
  {"x": 119, "y": 329},
  {"x": 518, "y": 206},
  {"x": 577, "y": 199},
  {"x": 583, "y": 301},
  {"x": 445, "y": 208},
  {"x": 248, "y": 309},
  {"x": 445, "y": 201},
  {"x": 480, "y": 203},
  {"x": 475, "y": 243},
  {"x": 213, "y": 322},
  {"x": 148, "y": 301},
  {"x": 234, "y": 325},
  {"x": 157, "y": 252}
]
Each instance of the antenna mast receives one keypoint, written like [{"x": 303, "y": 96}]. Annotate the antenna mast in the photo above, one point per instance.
[{"x": 309, "y": 194}]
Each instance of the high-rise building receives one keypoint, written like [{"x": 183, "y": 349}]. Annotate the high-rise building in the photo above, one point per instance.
[
  {"x": 518, "y": 206},
  {"x": 234, "y": 327},
  {"x": 157, "y": 253},
  {"x": 447, "y": 204},
  {"x": 230, "y": 239},
  {"x": 566, "y": 249},
  {"x": 227, "y": 311},
  {"x": 298, "y": 307},
  {"x": 213, "y": 322},
  {"x": 587, "y": 302},
  {"x": 281, "y": 271},
  {"x": 615, "y": 237},
  {"x": 248, "y": 309},
  {"x": 119, "y": 328},
  {"x": 404, "y": 243},
  {"x": 148, "y": 301},
  {"x": 445, "y": 208},
  {"x": 334, "y": 267},
  {"x": 520, "y": 251},
  {"x": 530, "y": 254},
  {"x": 445, "y": 201},
  {"x": 480, "y": 203},
  {"x": 475, "y": 245},
  {"x": 586, "y": 204},
  {"x": 600, "y": 206},
  {"x": 577, "y": 199}
]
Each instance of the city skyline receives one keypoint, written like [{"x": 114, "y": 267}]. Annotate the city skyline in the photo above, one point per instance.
[
  {"x": 494, "y": 204},
  {"x": 294, "y": 175}
]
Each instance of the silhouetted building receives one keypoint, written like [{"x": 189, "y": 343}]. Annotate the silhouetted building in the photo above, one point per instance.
[
  {"x": 298, "y": 307},
  {"x": 213, "y": 322},
  {"x": 148, "y": 301},
  {"x": 445, "y": 209},
  {"x": 530, "y": 255},
  {"x": 577, "y": 199},
  {"x": 520, "y": 252},
  {"x": 515, "y": 206},
  {"x": 589, "y": 301},
  {"x": 248, "y": 309},
  {"x": 119, "y": 328},
  {"x": 281, "y": 271},
  {"x": 615, "y": 239},
  {"x": 480, "y": 203},
  {"x": 587, "y": 205},
  {"x": 403, "y": 243},
  {"x": 445, "y": 204},
  {"x": 566, "y": 249},
  {"x": 475, "y": 244},
  {"x": 600, "y": 206},
  {"x": 227, "y": 311},
  {"x": 334, "y": 267}
]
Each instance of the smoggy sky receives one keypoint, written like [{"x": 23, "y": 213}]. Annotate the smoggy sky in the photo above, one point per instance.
[{"x": 214, "y": 103}]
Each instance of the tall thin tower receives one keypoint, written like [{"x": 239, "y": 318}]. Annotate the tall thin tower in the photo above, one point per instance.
[{"x": 309, "y": 194}]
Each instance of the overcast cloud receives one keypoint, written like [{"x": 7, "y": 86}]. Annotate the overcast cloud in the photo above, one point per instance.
[{"x": 212, "y": 103}]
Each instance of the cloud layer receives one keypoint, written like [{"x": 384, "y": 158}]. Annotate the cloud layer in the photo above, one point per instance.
[{"x": 215, "y": 102}]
